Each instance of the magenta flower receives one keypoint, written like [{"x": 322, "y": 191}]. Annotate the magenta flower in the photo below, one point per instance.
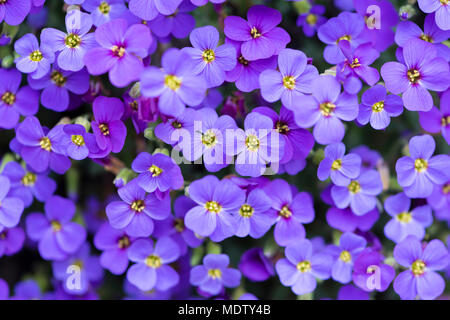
[
  {"x": 421, "y": 278},
  {"x": 292, "y": 80},
  {"x": 422, "y": 70},
  {"x": 120, "y": 53},
  {"x": 419, "y": 172},
  {"x": 260, "y": 36}
]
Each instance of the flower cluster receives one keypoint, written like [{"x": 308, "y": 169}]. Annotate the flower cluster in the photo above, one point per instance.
[{"x": 143, "y": 144}]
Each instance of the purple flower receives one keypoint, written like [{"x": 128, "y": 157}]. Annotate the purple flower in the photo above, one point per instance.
[
  {"x": 58, "y": 237},
  {"x": 149, "y": 9},
  {"x": 325, "y": 109},
  {"x": 344, "y": 255},
  {"x": 290, "y": 210},
  {"x": 439, "y": 200},
  {"x": 260, "y": 36},
  {"x": 418, "y": 173},
  {"x": 406, "y": 222},
  {"x": 421, "y": 71},
  {"x": 209, "y": 140},
  {"x": 291, "y": 81},
  {"x": 217, "y": 202},
  {"x": 120, "y": 53},
  {"x": 431, "y": 33},
  {"x": 88, "y": 266},
  {"x": 436, "y": 120},
  {"x": 151, "y": 269},
  {"x": 14, "y": 11},
  {"x": 370, "y": 273},
  {"x": 356, "y": 66},
  {"x": 257, "y": 146},
  {"x": 179, "y": 24},
  {"x": 15, "y": 101},
  {"x": 378, "y": 107},
  {"x": 346, "y": 221},
  {"x": 371, "y": 159},
  {"x": 302, "y": 266},
  {"x": 360, "y": 194},
  {"x": 33, "y": 59},
  {"x": 246, "y": 73},
  {"x": 11, "y": 240},
  {"x": 441, "y": 10},
  {"x": 171, "y": 130},
  {"x": 71, "y": 47},
  {"x": 102, "y": 11},
  {"x": 157, "y": 172},
  {"x": 255, "y": 265},
  {"x": 214, "y": 274},
  {"x": 136, "y": 211},
  {"x": 350, "y": 292},
  {"x": 56, "y": 86},
  {"x": 421, "y": 277},
  {"x": 114, "y": 244},
  {"x": 176, "y": 84},
  {"x": 347, "y": 26},
  {"x": 339, "y": 167},
  {"x": 298, "y": 142},
  {"x": 253, "y": 218},
  {"x": 110, "y": 132},
  {"x": 73, "y": 141},
  {"x": 27, "y": 290},
  {"x": 40, "y": 149},
  {"x": 27, "y": 184},
  {"x": 4, "y": 290},
  {"x": 212, "y": 61},
  {"x": 312, "y": 20},
  {"x": 200, "y": 3}
]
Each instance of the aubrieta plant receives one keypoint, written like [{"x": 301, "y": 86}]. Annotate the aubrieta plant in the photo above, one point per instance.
[{"x": 211, "y": 149}]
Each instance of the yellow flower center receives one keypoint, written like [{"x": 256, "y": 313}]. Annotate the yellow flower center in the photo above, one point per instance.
[
  {"x": 418, "y": 267},
  {"x": 124, "y": 242},
  {"x": 36, "y": 56},
  {"x": 172, "y": 82},
  {"x": 445, "y": 121},
  {"x": 58, "y": 78},
  {"x": 354, "y": 187},
  {"x": 138, "y": 205},
  {"x": 8, "y": 98},
  {"x": 355, "y": 63},
  {"x": 446, "y": 188},
  {"x": 289, "y": 82},
  {"x": 56, "y": 226},
  {"x": 118, "y": 51},
  {"x": 345, "y": 256},
  {"x": 413, "y": 76},
  {"x": 346, "y": 37},
  {"x": 311, "y": 19},
  {"x": 155, "y": 170},
  {"x": 285, "y": 212},
  {"x": 246, "y": 211},
  {"x": 404, "y": 217},
  {"x": 378, "y": 107},
  {"x": 281, "y": 127},
  {"x": 28, "y": 179},
  {"x": 176, "y": 125},
  {"x": 252, "y": 142},
  {"x": 208, "y": 56},
  {"x": 78, "y": 263},
  {"x": 179, "y": 225},
  {"x": 73, "y": 40},
  {"x": 213, "y": 206},
  {"x": 45, "y": 144},
  {"x": 444, "y": 2},
  {"x": 420, "y": 165},
  {"x": 209, "y": 138},
  {"x": 327, "y": 108},
  {"x": 153, "y": 261},
  {"x": 255, "y": 33},
  {"x": 243, "y": 61},
  {"x": 336, "y": 165},
  {"x": 304, "y": 266},
  {"x": 104, "y": 129},
  {"x": 426, "y": 38},
  {"x": 78, "y": 140},
  {"x": 104, "y": 7},
  {"x": 215, "y": 273}
]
